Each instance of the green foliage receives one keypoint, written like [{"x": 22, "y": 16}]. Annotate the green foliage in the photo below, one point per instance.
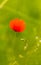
[{"x": 20, "y": 48}]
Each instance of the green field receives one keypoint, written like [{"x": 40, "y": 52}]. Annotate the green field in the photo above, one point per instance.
[{"x": 20, "y": 48}]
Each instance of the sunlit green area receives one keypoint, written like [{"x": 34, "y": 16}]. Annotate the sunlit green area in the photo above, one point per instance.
[{"x": 20, "y": 48}]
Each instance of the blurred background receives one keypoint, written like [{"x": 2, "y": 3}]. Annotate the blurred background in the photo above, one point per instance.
[{"x": 20, "y": 48}]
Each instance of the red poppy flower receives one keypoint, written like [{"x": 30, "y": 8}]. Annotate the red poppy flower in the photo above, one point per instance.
[{"x": 17, "y": 25}]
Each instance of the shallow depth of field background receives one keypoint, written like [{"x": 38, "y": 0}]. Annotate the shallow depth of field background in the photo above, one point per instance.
[{"x": 20, "y": 48}]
